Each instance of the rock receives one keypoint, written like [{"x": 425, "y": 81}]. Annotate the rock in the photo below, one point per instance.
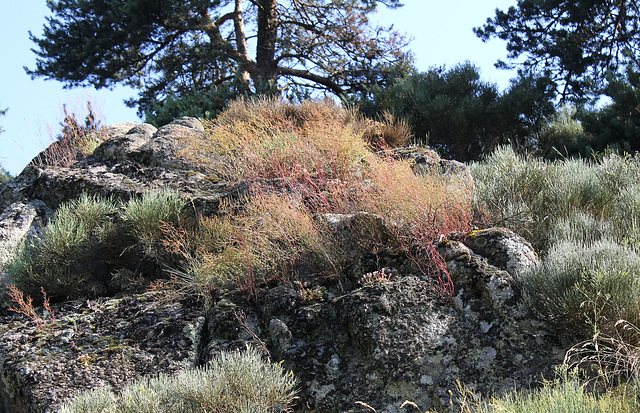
[
  {"x": 94, "y": 343},
  {"x": 503, "y": 248},
  {"x": 116, "y": 130},
  {"x": 475, "y": 276},
  {"x": 19, "y": 222},
  {"x": 166, "y": 148},
  {"x": 120, "y": 146},
  {"x": 425, "y": 161},
  {"x": 391, "y": 341}
]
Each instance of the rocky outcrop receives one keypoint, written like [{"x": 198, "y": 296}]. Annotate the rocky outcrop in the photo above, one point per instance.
[
  {"x": 88, "y": 344},
  {"x": 395, "y": 339},
  {"x": 378, "y": 332},
  {"x": 127, "y": 163}
]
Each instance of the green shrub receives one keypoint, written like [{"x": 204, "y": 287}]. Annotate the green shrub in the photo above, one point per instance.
[
  {"x": 72, "y": 237},
  {"x": 575, "y": 283},
  {"x": 145, "y": 215},
  {"x": 233, "y": 382},
  {"x": 89, "y": 239},
  {"x": 512, "y": 192},
  {"x": 563, "y": 395}
]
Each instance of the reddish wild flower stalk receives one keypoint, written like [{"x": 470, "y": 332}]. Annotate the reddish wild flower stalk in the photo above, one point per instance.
[{"x": 25, "y": 307}]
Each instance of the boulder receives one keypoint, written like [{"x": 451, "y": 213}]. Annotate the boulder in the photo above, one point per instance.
[
  {"x": 425, "y": 161},
  {"x": 166, "y": 148},
  {"x": 387, "y": 342},
  {"x": 19, "y": 222},
  {"x": 121, "y": 145}
]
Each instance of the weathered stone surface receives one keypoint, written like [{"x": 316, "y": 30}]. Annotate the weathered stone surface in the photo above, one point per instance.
[
  {"x": 88, "y": 344},
  {"x": 387, "y": 342},
  {"x": 56, "y": 184},
  {"x": 120, "y": 147},
  {"x": 118, "y": 129},
  {"x": 165, "y": 148},
  {"x": 18, "y": 222},
  {"x": 475, "y": 276},
  {"x": 425, "y": 161},
  {"x": 503, "y": 248}
]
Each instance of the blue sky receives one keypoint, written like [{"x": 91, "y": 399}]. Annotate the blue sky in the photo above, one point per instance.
[{"x": 441, "y": 32}]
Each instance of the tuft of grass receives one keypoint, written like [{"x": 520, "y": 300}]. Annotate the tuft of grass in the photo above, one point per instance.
[
  {"x": 87, "y": 238},
  {"x": 232, "y": 382},
  {"x": 146, "y": 214},
  {"x": 565, "y": 394},
  {"x": 387, "y": 132},
  {"x": 72, "y": 235},
  {"x": 266, "y": 241}
]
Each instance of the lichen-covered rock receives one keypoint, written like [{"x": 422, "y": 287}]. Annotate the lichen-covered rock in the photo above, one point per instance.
[
  {"x": 122, "y": 145},
  {"x": 88, "y": 344},
  {"x": 503, "y": 248},
  {"x": 166, "y": 148},
  {"x": 425, "y": 161},
  {"x": 387, "y": 342},
  {"x": 19, "y": 222}
]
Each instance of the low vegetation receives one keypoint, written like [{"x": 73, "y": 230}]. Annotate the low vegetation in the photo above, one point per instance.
[
  {"x": 231, "y": 383},
  {"x": 581, "y": 215},
  {"x": 565, "y": 394}
]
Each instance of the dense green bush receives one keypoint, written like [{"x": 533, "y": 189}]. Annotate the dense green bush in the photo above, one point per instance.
[
  {"x": 616, "y": 125},
  {"x": 239, "y": 382},
  {"x": 90, "y": 238},
  {"x": 564, "y": 136}
]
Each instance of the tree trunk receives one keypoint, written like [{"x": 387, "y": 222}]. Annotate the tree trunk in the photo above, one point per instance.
[
  {"x": 267, "y": 70},
  {"x": 241, "y": 41}
]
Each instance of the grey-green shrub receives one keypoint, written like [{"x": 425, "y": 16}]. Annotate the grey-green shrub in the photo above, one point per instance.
[
  {"x": 581, "y": 228},
  {"x": 534, "y": 197},
  {"x": 100, "y": 400},
  {"x": 71, "y": 236},
  {"x": 512, "y": 192},
  {"x": 90, "y": 238},
  {"x": 73, "y": 223},
  {"x": 146, "y": 213},
  {"x": 566, "y": 394},
  {"x": 233, "y": 382},
  {"x": 598, "y": 283}
]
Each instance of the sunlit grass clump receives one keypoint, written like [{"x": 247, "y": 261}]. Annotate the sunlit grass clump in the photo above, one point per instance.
[
  {"x": 563, "y": 395},
  {"x": 231, "y": 383},
  {"x": 88, "y": 239}
]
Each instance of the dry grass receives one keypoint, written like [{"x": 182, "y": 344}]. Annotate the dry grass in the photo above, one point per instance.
[{"x": 307, "y": 159}]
